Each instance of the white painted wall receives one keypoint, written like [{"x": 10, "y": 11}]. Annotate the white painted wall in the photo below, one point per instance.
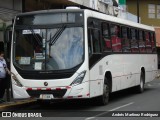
[{"x": 98, "y": 5}]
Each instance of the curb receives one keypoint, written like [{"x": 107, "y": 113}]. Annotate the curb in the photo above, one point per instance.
[{"x": 15, "y": 105}]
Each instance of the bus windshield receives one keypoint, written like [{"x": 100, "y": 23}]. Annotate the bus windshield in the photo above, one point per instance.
[{"x": 45, "y": 49}]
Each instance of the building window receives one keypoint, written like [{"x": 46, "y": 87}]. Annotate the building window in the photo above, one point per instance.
[
  {"x": 158, "y": 11},
  {"x": 151, "y": 11}
]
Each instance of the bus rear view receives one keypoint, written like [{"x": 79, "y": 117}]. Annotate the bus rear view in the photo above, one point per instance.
[{"x": 47, "y": 60}]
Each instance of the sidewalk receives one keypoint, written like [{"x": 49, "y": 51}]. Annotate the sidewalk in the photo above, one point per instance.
[{"x": 14, "y": 104}]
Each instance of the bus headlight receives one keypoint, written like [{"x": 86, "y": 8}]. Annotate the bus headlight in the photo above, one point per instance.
[
  {"x": 15, "y": 80},
  {"x": 79, "y": 78}
]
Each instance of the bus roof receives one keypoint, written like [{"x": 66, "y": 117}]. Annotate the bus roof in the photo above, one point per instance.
[
  {"x": 94, "y": 14},
  {"x": 50, "y": 11},
  {"x": 117, "y": 20}
]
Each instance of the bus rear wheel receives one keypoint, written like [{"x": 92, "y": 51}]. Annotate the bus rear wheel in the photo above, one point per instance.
[{"x": 140, "y": 87}]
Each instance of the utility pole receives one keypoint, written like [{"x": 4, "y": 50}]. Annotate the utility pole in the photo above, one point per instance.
[{"x": 138, "y": 11}]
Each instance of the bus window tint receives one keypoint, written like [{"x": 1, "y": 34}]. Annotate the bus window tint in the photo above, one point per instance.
[
  {"x": 134, "y": 43},
  {"x": 125, "y": 40},
  {"x": 148, "y": 42},
  {"x": 106, "y": 41},
  {"x": 94, "y": 38},
  {"x": 142, "y": 47},
  {"x": 115, "y": 38},
  {"x": 152, "y": 37}
]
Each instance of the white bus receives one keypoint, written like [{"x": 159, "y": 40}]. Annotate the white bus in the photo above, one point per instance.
[{"x": 75, "y": 54}]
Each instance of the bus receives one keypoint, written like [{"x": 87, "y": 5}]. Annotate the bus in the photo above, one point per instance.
[{"x": 79, "y": 54}]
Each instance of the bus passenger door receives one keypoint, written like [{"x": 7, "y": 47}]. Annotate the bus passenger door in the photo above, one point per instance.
[{"x": 94, "y": 53}]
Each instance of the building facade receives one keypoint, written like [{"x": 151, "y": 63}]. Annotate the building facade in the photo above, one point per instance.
[
  {"x": 8, "y": 9},
  {"x": 148, "y": 12}
]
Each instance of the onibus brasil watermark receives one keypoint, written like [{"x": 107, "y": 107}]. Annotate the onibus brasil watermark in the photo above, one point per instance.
[{"x": 21, "y": 115}]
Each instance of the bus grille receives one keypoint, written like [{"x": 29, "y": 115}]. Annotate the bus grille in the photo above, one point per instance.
[{"x": 55, "y": 93}]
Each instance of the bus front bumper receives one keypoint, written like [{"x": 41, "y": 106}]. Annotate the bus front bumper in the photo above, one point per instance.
[{"x": 67, "y": 92}]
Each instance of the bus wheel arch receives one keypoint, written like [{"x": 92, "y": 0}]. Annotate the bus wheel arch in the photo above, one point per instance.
[{"x": 108, "y": 80}]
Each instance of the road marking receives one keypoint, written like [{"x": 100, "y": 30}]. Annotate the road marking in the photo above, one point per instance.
[
  {"x": 89, "y": 118},
  {"x": 121, "y": 106}
]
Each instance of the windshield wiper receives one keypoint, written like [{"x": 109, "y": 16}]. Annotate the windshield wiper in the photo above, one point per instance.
[
  {"x": 35, "y": 36},
  {"x": 57, "y": 35}
]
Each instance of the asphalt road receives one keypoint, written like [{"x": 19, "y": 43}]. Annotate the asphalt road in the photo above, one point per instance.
[{"x": 126, "y": 102}]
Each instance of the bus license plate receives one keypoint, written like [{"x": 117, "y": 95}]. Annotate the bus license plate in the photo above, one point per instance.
[{"x": 46, "y": 96}]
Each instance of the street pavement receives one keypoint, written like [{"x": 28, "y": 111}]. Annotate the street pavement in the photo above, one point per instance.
[{"x": 125, "y": 102}]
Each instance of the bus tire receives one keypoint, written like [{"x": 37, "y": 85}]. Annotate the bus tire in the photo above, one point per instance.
[
  {"x": 140, "y": 87},
  {"x": 104, "y": 99}
]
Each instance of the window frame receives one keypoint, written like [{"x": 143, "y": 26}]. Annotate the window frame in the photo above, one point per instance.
[
  {"x": 139, "y": 37},
  {"x": 134, "y": 39}
]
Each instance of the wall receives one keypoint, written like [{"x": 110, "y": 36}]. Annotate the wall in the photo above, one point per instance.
[
  {"x": 143, "y": 10},
  {"x": 157, "y": 29},
  {"x": 8, "y": 9},
  {"x": 11, "y": 4}
]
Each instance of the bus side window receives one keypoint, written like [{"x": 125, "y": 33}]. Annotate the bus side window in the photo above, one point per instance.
[
  {"x": 94, "y": 41},
  {"x": 148, "y": 42},
  {"x": 153, "y": 44},
  {"x": 115, "y": 38},
  {"x": 142, "y": 47},
  {"x": 134, "y": 41},
  {"x": 106, "y": 40},
  {"x": 125, "y": 40}
]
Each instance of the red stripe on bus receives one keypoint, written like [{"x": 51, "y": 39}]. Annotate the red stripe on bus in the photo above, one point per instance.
[
  {"x": 48, "y": 88},
  {"x": 58, "y": 88},
  {"x": 29, "y": 88},
  {"x": 68, "y": 87},
  {"x": 39, "y": 89},
  {"x": 69, "y": 97}
]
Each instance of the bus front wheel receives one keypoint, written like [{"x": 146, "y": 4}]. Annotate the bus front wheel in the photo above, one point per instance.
[{"x": 104, "y": 99}]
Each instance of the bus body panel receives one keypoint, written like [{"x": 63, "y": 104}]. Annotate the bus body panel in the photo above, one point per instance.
[{"x": 125, "y": 70}]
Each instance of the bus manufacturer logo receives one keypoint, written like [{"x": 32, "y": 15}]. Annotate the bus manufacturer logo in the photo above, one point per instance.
[{"x": 45, "y": 84}]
